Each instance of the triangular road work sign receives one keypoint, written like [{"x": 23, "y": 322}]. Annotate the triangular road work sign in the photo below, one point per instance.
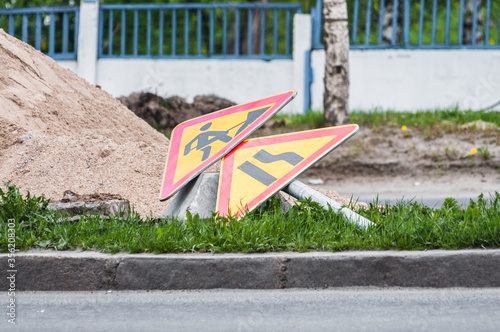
[
  {"x": 258, "y": 168},
  {"x": 197, "y": 143}
]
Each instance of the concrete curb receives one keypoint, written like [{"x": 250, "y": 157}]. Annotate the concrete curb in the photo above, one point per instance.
[{"x": 83, "y": 271}]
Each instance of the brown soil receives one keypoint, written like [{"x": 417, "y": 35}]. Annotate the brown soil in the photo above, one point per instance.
[
  {"x": 396, "y": 163},
  {"x": 164, "y": 114},
  {"x": 390, "y": 152}
]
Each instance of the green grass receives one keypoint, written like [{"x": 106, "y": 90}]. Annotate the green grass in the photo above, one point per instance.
[
  {"x": 422, "y": 119},
  {"x": 446, "y": 119},
  {"x": 310, "y": 119},
  {"x": 406, "y": 225}
]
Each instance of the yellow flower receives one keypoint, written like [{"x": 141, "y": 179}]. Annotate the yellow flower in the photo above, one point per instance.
[
  {"x": 492, "y": 41},
  {"x": 403, "y": 128},
  {"x": 472, "y": 151}
]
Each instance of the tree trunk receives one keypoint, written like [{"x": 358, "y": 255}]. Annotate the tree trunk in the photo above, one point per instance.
[
  {"x": 387, "y": 22},
  {"x": 468, "y": 23},
  {"x": 243, "y": 49},
  {"x": 337, "y": 62},
  {"x": 256, "y": 28}
]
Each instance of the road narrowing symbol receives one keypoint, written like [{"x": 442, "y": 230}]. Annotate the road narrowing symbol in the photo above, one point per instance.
[
  {"x": 198, "y": 143},
  {"x": 258, "y": 168},
  {"x": 265, "y": 157}
]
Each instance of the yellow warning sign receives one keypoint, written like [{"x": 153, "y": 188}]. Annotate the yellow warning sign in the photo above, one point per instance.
[
  {"x": 196, "y": 144},
  {"x": 257, "y": 168}
]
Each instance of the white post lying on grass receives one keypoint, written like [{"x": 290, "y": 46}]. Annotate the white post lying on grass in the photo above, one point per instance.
[{"x": 301, "y": 191}]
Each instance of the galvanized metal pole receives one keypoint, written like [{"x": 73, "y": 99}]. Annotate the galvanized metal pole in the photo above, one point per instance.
[{"x": 301, "y": 191}]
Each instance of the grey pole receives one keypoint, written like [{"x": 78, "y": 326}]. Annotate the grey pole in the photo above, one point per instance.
[{"x": 301, "y": 191}]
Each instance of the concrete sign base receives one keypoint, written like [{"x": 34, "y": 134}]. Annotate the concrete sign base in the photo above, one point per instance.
[{"x": 199, "y": 196}]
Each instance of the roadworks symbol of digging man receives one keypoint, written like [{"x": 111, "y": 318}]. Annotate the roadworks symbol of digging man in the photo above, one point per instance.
[
  {"x": 198, "y": 143},
  {"x": 206, "y": 138}
]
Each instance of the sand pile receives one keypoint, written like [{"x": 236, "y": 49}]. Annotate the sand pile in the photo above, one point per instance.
[{"x": 58, "y": 133}]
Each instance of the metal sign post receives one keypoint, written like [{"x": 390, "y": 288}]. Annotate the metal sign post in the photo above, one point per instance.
[{"x": 300, "y": 190}]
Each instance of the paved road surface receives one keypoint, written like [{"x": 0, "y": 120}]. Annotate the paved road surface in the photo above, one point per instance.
[
  {"x": 430, "y": 200},
  {"x": 428, "y": 190},
  {"x": 348, "y": 309}
]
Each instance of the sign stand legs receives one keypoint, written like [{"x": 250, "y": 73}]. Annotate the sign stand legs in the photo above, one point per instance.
[{"x": 199, "y": 196}]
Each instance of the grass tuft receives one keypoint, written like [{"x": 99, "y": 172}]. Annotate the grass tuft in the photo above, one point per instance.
[
  {"x": 445, "y": 119},
  {"x": 431, "y": 122},
  {"x": 310, "y": 119}
]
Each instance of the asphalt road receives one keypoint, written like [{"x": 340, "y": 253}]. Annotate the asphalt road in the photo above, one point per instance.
[
  {"x": 427, "y": 189},
  {"x": 346, "y": 309}
]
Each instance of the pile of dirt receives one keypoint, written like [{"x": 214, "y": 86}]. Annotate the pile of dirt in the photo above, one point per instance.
[
  {"x": 165, "y": 114},
  {"x": 57, "y": 132},
  {"x": 390, "y": 152}
]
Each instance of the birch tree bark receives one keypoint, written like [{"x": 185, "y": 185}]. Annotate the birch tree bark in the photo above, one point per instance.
[{"x": 337, "y": 62}]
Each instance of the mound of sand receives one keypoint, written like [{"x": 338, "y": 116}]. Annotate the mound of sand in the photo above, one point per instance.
[{"x": 57, "y": 133}]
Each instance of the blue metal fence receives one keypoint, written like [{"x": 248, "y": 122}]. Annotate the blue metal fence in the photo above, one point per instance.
[
  {"x": 254, "y": 30},
  {"x": 418, "y": 24},
  {"x": 52, "y": 30},
  {"x": 217, "y": 30}
]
